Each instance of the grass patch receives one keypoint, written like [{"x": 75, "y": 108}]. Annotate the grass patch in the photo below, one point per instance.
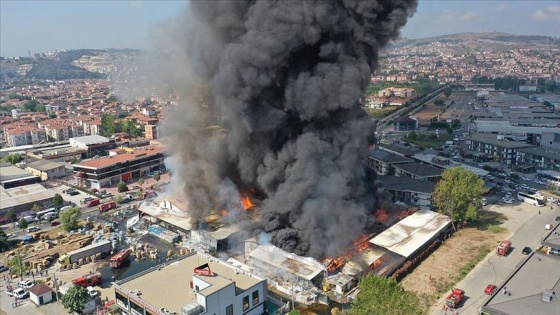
[
  {"x": 464, "y": 271},
  {"x": 496, "y": 229},
  {"x": 432, "y": 144},
  {"x": 489, "y": 220},
  {"x": 381, "y": 112}
]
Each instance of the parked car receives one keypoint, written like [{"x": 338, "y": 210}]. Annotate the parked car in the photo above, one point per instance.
[
  {"x": 25, "y": 284},
  {"x": 55, "y": 223},
  {"x": 86, "y": 199},
  {"x": 490, "y": 289},
  {"x": 526, "y": 250},
  {"x": 32, "y": 229},
  {"x": 92, "y": 292},
  {"x": 551, "y": 199},
  {"x": 19, "y": 293}
]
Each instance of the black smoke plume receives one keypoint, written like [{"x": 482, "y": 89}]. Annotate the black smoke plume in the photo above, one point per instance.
[{"x": 268, "y": 100}]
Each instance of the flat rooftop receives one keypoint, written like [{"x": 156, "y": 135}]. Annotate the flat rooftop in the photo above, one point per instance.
[
  {"x": 409, "y": 234},
  {"x": 429, "y": 158},
  {"x": 92, "y": 139},
  {"x": 120, "y": 158},
  {"x": 172, "y": 215},
  {"x": 174, "y": 291},
  {"x": 16, "y": 196},
  {"x": 492, "y": 139},
  {"x": 8, "y": 173},
  {"x": 303, "y": 267},
  {"x": 527, "y": 285},
  {"x": 553, "y": 238}
]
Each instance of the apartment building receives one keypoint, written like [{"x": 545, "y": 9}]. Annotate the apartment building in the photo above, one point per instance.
[
  {"x": 151, "y": 131},
  {"x": 540, "y": 157},
  {"x": 501, "y": 148},
  {"x": 17, "y": 135}
]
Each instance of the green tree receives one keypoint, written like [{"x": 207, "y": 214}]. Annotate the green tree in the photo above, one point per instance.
[
  {"x": 36, "y": 207},
  {"x": 22, "y": 224},
  {"x": 294, "y": 312},
  {"x": 3, "y": 240},
  {"x": 384, "y": 296},
  {"x": 52, "y": 115},
  {"x": 459, "y": 194},
  {"x": 57, "y": 200},
  {"x": 40, "y": 108},
  {"x": 12, "y": 215},
  {"x": 108, "y": 124},
  {"x": 17, "y": 266},
  {"x": 141, "y": 181},
  {"x": 13, "y": 158},
  {"x": 439, "y": 102},
  {"x": 119, "y": 199},
  {"x": 75, "y": 160},
  {"x": 122, "y": 187},
  {"x": 447, "y": 92},
  {"x": 157, "y": 177},
  {"x": 75, "y": 298},
  {"x": 31, "y": 106},
  {"x": 432, "y": 136},
  {"x": 69, "y": 218}
]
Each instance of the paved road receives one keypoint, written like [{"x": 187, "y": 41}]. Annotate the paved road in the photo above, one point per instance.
[{"x": 527, "y": 227}]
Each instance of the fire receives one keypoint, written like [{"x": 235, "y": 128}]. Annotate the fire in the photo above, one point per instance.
[
  {"x": 223, "y": 212},
  {"x": 381, "y": 215},
  {"x": 360, "y": 245},
  {"x": 246, "y": 202}
]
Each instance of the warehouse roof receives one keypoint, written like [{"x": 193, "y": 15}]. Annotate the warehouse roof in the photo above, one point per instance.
[
  {"x": 8, "y": 173},
  {"x": 406, "y": 236},
  {"x": 16, "y": 196},
  {"x": 44, "y": 165},
  {"x": 92, "y": 139},
  {"x": 406, "y": 184},
  {"x": 303, "y": 267},
  {"x": 419, "y": 169},
  {"x": 492, "y": 139},
  {"x": 388, "y": 157}
]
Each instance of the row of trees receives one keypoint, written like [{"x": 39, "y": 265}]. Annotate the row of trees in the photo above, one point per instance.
[{"x": 111, "y": 125}]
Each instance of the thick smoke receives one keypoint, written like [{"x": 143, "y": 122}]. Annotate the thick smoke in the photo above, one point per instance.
[{"x": 268, "y": 101}]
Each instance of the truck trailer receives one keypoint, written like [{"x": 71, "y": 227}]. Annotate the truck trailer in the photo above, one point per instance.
[{"x": 102, "y": 247}]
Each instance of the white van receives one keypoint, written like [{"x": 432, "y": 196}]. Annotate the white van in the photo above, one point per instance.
[{"x": 29, "y": 218}]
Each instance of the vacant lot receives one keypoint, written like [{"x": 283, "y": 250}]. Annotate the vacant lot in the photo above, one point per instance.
[
  {"x": 382, "y": 112},
  {"x": 456, "y": 257},
  {"x": 428, "y": 112}
]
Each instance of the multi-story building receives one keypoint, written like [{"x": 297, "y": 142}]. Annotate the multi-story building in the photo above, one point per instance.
[
  {"x": 104, "y": 172},
  {"x": 419, "y": 171},
  {"x": 540, "y": 157},
  {"x": 95, "y": 145},
  {"x": 151, "y": 131},
  {"x": 16, "y": 135},
  {"x": 382, "y": 162},
  {"x": 496, "y": 146},
  {"x": 408, "y": 190},
  {"x": 195, "y": 284}
]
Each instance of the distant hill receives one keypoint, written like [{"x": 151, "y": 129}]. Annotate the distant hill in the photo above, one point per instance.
[
  {"x": 492, "y": 40},
  {"x": 46, "y": 69}
]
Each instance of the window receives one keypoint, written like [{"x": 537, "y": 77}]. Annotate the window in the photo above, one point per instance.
[
  {"x": 229, "y": 310},
  {"x": 246, "y": 303},
  {"x": 255, "y": 298}
]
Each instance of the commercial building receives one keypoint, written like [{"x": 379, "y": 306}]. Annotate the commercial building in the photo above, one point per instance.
[
  {"x": 411, "y": 191},
  {"x": 550, "y": 139},
  {"x": 107, "y": 171},
  {"x": 23, "y": 198},
  {"x": 540, "y": 157},
  {"x": 95, "y": 145},
  {"x": 11, "y": 176},
  {"x": 46, "y": 169},
  {"x": 151, "y": 131},
  {"x": 192, "y": 285},
  {"x": 419, "y": 171},
  {"x": 499, "y": 147},
  {"x": 405, "y": 123},
  {"x": 534, "y": 286},
  {"x": 382, "y": 161}
]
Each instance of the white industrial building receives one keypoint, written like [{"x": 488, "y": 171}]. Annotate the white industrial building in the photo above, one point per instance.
[{"x": 192, "y": 285}]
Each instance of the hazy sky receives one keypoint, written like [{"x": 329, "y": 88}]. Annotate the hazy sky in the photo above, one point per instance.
[{"x": 39, "y": 26}]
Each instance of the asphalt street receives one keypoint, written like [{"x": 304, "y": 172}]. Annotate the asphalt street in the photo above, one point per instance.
[{"x": 527, "y": 229}]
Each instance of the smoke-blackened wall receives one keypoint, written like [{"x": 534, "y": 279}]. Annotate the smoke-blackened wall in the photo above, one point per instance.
[{"x": 269, "y": 96}]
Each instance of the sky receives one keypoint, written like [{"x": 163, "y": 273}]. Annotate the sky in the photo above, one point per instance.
[{"x": 28, "y": 27}]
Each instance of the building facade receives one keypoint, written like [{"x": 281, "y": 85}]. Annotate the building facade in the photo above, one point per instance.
[
  {"x": 499, "y": 147},
  {"x": 104, "y": 172}
]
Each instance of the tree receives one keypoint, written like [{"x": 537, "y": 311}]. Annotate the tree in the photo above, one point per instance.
[
  {"x": 157, "y": 177},
  {"x": 439, "y": 102},
  {"x": 75, "y": 160},
  {"x": 12, "y": 215},
  {"x": 119, "y": 199},
  {"x": 36, "y": 207},
  {"x": 459, "y": 194},
  {"x": 447, "y": 92},
  {"x": 108, "y": 124},
  {"x": 41, "y": 108},
  {"x": 75, "y": 299},
  {"x": 122, "y": 187},
  {"x": 384, "y": 296},
  {"x": 69, "y": 218},
  {"x": 3, "y": 240},
  {"x": 140, "y": 181},
  {"x": 12, "y": 158},
  {"x": 17, "y": 266},
  {"x": 31, "y": 106},
  {"x": 57, "y": 200},
  {"x": 141, "y": 173},
  {"x": 22, "y": 224}
]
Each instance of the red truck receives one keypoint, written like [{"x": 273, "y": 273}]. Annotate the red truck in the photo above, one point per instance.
[
  {"x": 93, "y": 203},
  {"x": 107, "y": 206},
  {"x": 503, "y": 248},
  {"x": 455, "y": 298},
  {"x": 88, "y": 280}
]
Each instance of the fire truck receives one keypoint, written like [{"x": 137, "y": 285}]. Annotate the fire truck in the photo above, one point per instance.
[
  {"x": 455, "y": 298},
  {"x": 107, "y": 206},
  {"x": 503, "y": 248},
  {"x": 88, "y": 280}
]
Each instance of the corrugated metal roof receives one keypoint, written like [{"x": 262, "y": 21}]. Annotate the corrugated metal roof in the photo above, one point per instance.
[
  {"x": 406, "y": 236},
  {"x": 16, "y": 196}
]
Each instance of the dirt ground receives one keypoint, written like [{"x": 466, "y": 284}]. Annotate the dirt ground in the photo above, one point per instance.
[
  {"x": 427, "y": 113},
  {"x": 457, "y": 255}
]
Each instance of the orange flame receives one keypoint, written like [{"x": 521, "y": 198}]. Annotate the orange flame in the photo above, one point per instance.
[
  {"x": 246, "y": 202},
  {"x": 360, "y": 245},
  {"x": 223, "y": 212},
  {"x": 381, "y": 215}
]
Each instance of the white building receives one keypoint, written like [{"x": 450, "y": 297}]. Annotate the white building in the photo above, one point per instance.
[
  {"x": 192, "y": 285},
  {"x": 40, "y": 294}
]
